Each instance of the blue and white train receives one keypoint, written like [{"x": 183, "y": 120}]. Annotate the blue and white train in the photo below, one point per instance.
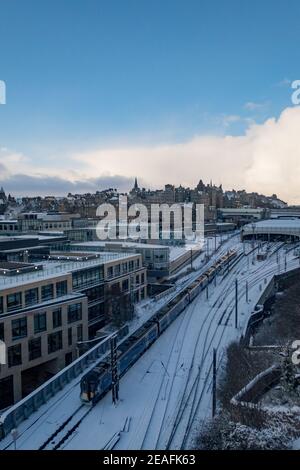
[{"x": 96, "y": 383}]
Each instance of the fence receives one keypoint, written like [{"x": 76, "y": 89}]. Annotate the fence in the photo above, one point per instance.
[{"x": 12, "y": 417}]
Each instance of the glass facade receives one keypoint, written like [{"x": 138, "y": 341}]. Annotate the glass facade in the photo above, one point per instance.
[
  {"x": 74, "y": 313},
  {"x": 61, "y": 288},
  {"x": 54, "y": 342},
  {"x": 96, "y": 312},
  {"x": 34, "y": 348},
  {"x": 14, "y": 354},
  {"x": 19, "y": 328},
  {"x": 95, "y": 293},
  {"x": 14, "y": 301},
  {"x": 56, "y": 318},
  {"x": 79, "y": 333},
  {"x": 70, "y": 338},
  {"x": 47, "y": 292},
  {"x": 87, "y": 277},
  {"x": 31, "y": 296},
  {"x": 40, "y": 322}
]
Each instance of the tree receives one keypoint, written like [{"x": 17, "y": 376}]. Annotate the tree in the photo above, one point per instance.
[{"x": 118, "y": 305}]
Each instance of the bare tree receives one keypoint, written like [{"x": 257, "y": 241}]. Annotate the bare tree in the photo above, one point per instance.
[{"x": 118, "y": 305}]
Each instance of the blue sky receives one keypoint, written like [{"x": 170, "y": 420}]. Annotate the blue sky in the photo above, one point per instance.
[{"x": 83, "y": 74}]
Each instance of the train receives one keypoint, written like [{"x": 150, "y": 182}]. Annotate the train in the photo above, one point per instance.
[{"x": 97, "y": 382}]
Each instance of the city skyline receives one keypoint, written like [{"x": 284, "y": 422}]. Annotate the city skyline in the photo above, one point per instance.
[
  {"x": 149, "y": 228},
  {"x": 149, "y": 89},
  {"x": 140, "y": 189}
]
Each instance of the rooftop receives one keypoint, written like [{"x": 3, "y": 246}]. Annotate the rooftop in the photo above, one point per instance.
[
  {"x": 275, "y": 223},
  {"x": 120, "y": 243},
  {"x": 174, "y": 251},
  {"x": 57, "y": 268}
]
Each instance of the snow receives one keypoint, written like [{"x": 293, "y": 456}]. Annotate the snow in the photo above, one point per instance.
[
  {"x": 121, "y": 243},
  {"x": 56, "y": 268},
  {"x": 275, "y": 226},
  {"x": 166, "y": 396},
  {"x": 291, "y": 223},
  {"x": 176, "y": 252}
]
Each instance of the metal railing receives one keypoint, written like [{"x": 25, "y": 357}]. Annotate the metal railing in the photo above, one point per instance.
[
  {"x": 13, "y": 416},
  {"x": 63, "y": 268}
]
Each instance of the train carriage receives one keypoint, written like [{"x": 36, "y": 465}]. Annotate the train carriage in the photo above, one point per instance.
[{"x": 97, "y": 382}]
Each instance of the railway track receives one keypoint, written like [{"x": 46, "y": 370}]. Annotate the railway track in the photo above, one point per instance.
[
  {"x": 190, "y": 391},
  {"x": 66, "y": 429},
  {"x": 194, "y": 389}
]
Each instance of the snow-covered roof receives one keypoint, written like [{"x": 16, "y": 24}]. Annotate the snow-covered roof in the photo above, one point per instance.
[
  {"x": 120, "y": 243},
  {"x": 59, "y": 268},
  {"x": 274, "y": 226}
]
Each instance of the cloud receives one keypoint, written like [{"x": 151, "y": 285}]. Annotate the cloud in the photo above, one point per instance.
[
  {"x": 229, "y": 119},
  {"x": 27, "y": 185},
  {"x": 266, "y": 158},
  {"x": 252, "y": 106},
  {"x": 285, "y": 82}
]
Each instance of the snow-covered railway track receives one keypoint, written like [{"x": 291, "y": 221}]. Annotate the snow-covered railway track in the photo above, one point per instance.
[
  {"x": 190, "y": 403},
  {"x": 66, "y": 429}
]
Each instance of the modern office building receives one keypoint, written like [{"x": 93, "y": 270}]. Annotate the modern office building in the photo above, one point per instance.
[
  {"x": 161, "y": 261},
  {"x": 46, "y": 308}
]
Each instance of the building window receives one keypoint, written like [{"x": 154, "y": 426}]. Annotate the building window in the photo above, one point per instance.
[
  {"x": 47, "y": 292},
  {"x": 110, "y": 271},
  {"x": 40, "y": 322},
  {"x": 2, "y": 331},
  {"x": 117, "y": 270},
  {"x": 68, "y": 358},
  {"x": 56, "y": 317},
  {"x": 74, "y": 313},
  {"x": 14, "y": 301},
  {"x": 61, "y": 288},
  {"x": 1, "y": 304},
  {"x": 79, "y": 333},
  {"x": 6, "y": 392},
  {"x": 19, "y": 328},
  {"x": 31, "y": 296},
  {"x": 130, "y": 265},
  {"x": 95, "y": 293},
  {"x": 96, "y": 312},
  {"x": 125, "y": 285},
  {"x": 54, "y": 342},
  {"x": 87, "y": 277},
  {"x": 70, "y": 337},
  {"x": 35, "y": 348},
  {"x": 124, "y": 268},
  {"x": 137, "y": 279},
  {"x": 14, "y": 354},
  {"x": 142, "y": 278}
]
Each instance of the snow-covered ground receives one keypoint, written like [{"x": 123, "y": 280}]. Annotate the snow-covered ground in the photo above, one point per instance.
[{"x": 166, "y": 395}]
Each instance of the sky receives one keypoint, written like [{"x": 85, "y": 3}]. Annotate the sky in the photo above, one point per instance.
[{"x": 170, "y": 91}]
